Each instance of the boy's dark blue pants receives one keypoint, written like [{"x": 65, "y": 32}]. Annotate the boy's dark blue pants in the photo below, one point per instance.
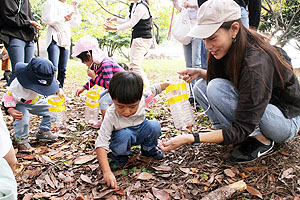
[{"x": 146, "y": 134}]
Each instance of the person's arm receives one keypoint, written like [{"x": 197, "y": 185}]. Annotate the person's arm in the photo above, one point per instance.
[
  {"x": 140, "y": 11},
  {"x": 176, "y": 142},
  {"x": 176, "y": 5},
  {"x": 8, "y": 12},
  {"x": 50, "y": 16},
  {"x": 108, "y": 176},
  {"x": 191, "y": 74},
  {"x": 254, "y": 9},
  {"x": 76, "y": 17}
]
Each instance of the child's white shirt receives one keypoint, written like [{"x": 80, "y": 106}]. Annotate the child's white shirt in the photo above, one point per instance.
[
  {"x": 19, "y": 92},
  {"x": 113, "y": 121}
]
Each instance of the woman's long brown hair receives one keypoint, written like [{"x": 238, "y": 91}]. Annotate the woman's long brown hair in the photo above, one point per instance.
[{"x": 232, "y": 61}]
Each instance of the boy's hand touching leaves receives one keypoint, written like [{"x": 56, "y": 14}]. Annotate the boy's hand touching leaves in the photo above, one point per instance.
[{"x": 110, "y": 179}]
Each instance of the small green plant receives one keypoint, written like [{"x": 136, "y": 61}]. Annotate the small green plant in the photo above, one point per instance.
[
  {"x": 124, "y": 173},
  {"x": 144, "y": 169},
  {"x": 134, "y": 169}
]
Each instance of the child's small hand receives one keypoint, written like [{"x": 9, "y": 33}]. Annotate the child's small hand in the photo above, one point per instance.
[
  {"x": 110, "y": 179},
  {"x": 60, "y": 93},
  {"x": 79, "y": 91},
  {"x": 165, "y": 85},
  {"x": 17, "y": 115},
  {"x": 91, "y": 74}
]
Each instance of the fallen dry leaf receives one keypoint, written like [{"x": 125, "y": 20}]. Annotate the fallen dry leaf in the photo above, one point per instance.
[
  {"x": 164, "y": 168},
  {"x": 287, "y": 173},
  {"x": 254, "y": 192},
  {"x": 145, "y": 176},
  {"x": 160, "y": 194},
  {"x": 229, "y": 173},
  {"x": 85, "y": 178},
  {"x": 84, "y": 159}
]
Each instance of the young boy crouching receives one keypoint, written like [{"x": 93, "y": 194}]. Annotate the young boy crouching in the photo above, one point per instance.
[{"x": 125, "y": 124}]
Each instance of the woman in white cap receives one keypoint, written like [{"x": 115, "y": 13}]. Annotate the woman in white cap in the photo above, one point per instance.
[{"x": 249, "y": 91}]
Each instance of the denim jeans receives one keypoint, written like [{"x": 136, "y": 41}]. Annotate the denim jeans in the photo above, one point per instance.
[
  {"x": 223, "y": 98},
  {"x": 59, "y": 57},
  {"x": 19, "y": 51},
  {"x": 41, "y": 108},
  {"x": 105, "y": 100},
  {"x": 244, "y": 17},
  {"x": 192, "y": 53},
  {"x": 146, "y": 134}
]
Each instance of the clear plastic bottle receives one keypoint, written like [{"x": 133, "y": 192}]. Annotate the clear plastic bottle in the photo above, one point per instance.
[
  {"x": 57, "y": 113},
  {"x": 92, "y": 106},
  {"x": 180, "y": 107}
]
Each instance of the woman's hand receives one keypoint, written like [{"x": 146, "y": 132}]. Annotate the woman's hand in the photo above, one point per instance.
[
  {"x": 17, "y": 115},
  {"x": 79, "y": 91},
  {"x": 91, "y": 73},
  {"x": 110, "y": 179},
  {"x": 175, "y": 142},
  {"x": 110, "y": 20},
  {"x": 35, "y": 24},
  {"x": 189, "y": 74},
  {"x": 109, "y": 28}
]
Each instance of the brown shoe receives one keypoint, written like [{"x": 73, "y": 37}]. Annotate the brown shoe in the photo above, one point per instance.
[{"x": 24, "y": 146}]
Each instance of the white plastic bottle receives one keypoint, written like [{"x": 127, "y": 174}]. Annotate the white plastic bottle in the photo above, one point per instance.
[
  {"x": 92, "y": 106},
  {"x": 180, "y": 107},
  {"x": 57, "y": 113}
]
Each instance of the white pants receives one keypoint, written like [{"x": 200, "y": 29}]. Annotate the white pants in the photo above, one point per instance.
[{"x": 139, "y": 48}]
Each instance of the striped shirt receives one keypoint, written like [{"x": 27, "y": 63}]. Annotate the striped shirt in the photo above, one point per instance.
[{"x": 104, "y": 71}]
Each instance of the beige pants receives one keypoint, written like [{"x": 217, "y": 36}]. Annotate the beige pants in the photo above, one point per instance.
[{"x": 139, "y": 48}]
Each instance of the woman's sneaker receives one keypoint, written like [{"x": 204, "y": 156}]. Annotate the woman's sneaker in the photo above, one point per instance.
[
  {"x": 46, "y": 136},
  {"x": 250, "y": 150},
  {"x": 155, "y": 153}
]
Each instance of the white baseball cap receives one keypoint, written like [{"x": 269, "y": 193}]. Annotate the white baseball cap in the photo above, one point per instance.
[{"x": 212, "y": 14}]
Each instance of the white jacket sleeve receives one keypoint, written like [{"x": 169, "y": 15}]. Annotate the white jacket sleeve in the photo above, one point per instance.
[
  {"x": 104, "y": 134},
  {"x": 50, "y": 14}
]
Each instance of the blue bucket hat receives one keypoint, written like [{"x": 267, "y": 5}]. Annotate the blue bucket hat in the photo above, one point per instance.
[{"x": 38, "y": 75}]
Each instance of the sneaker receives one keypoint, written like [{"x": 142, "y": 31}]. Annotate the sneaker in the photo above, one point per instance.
[
  {"x": 250, "y": 150},
  {"x": 155, "y": 153},
  {"x": 24, "y": 146},
  {"x": 46, "y": 136},
  {"x": 118, "y": 161}
]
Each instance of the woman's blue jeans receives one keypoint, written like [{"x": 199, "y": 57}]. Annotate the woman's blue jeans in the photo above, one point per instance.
[
  {"x": 41, "y": 108},
  {"x": 59, "y": 57},
  {"x": 19, "y": 51},
  {"x": 223, "y": 98},
  {"x": 146, "y": 134}
]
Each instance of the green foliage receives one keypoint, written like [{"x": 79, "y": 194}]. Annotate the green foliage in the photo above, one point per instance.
[
  {"x": 124, "y": 173},
  {"x": 134, "y": 169},
  {"x": 113, "y": 41},
  {"x": 281, "y": 19}
]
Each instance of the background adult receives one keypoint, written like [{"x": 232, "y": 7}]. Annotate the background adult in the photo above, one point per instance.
[
  {"x": 253, "y": 97},
  {"x": 140, "y": 20},
  {"x": 192, "y": 51},
  {"x": 18, "y": 29},
  {"x": 60, "y": 17}
]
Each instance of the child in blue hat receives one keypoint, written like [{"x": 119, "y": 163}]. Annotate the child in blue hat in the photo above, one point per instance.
[{"x": 26, "y": 94}]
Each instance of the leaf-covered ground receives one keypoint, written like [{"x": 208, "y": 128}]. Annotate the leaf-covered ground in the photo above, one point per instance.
[{"x": 68, "y": 168}]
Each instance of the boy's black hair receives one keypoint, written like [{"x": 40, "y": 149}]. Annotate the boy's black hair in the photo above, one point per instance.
[
  {"x": 83, "y": 56},
  {"x": 126, "y": 87}
]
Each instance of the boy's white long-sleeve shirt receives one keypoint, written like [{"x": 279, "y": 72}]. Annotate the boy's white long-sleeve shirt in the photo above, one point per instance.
[
  {"x": 54, "y": 16},
  {"x": 113, "y": 121},
  {"x": 138, "y": 12}
]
